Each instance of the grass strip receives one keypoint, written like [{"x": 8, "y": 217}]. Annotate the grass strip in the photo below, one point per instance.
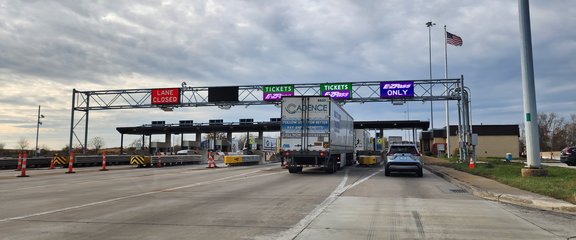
[{"x": 560, "y": 182}]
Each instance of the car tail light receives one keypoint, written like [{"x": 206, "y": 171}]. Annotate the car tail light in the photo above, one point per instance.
[{"x": 321, "y": 154}]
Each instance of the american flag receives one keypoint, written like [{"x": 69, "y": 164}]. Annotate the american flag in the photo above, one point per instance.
[{"x": 453, "y": 39}]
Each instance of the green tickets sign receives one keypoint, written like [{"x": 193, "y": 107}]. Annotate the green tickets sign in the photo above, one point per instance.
[
  {"x": 275, "y": 93},
  {"x": 278, "y": 88},
  {"x": 336, "y": 90}
]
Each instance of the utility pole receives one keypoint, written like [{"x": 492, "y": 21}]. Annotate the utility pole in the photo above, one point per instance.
[
  {"x": 533, "y": 166},
  {"x": 429, "y": 25},
  {"x": 38, "y": 123}
]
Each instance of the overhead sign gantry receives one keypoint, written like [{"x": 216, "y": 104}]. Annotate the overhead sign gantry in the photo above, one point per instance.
[{"x": 227, "y": 96}]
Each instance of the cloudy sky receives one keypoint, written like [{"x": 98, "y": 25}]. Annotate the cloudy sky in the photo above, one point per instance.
[{"x": 47, "y": 48}]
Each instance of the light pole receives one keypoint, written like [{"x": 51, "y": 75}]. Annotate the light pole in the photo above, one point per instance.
[
  {"x": 38, "y": 123},
  {"x": 429, "y": 25},
  {"x": 533, "y": 165}
]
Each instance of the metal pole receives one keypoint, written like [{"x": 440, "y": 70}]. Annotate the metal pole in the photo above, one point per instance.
[
  {"x": 464, "y": 133},
  {"x": 528, "y": 89},
  {"x": 37, "y": 132},
  {"x": 72, "y": 120},
  {"x": 86, "y": 124},
  {"x": 446, "y": 89},
  {"x": 121, "y": 143},
  {"x": 429, "y": 25}
]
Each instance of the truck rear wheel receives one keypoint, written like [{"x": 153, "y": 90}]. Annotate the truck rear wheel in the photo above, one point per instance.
[
  {"x": 292, "y": 169},
  {"x": 330, "y": 167}
]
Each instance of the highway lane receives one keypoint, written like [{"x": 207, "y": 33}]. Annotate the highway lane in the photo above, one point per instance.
[{"x": 258, "y": 202}]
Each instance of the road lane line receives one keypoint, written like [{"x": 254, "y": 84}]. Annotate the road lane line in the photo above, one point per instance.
[
  {"x": 221, "y": 180},
  {"x": 361, "y": 180},
  {"x": 297, "y": 229},
  {"x": 109, "y": 179}
]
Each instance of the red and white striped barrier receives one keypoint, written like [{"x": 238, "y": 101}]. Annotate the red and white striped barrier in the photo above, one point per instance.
[
  {"x": 23, "y": 168},
  {"x": 211, "y": 162},
  {"x": 52, "y": 163},
  {"x": 103, "y": 162},
  {"x": 71, "y": 163},
  {"x": 19, "y": 168},
  {"x": 159, "y": 164}
]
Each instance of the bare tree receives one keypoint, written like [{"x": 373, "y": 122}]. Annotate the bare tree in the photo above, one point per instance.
[
  {"x": 216, "y": 136},
  {"x": 23, "y": 143},
  {"x": 245, "y": 140},
  {"x": 555, "y": 132},
  {"x": 97, "y": 143},
  {"x": 137, "y": 143}
]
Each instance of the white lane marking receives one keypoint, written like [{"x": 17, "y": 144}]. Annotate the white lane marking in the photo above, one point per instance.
[
  {"x": 295, "y": 230},
  {"x": 109, "y": 179},
  {"x": 361, "y": 180},
  {"x": 220, "y": 180}
]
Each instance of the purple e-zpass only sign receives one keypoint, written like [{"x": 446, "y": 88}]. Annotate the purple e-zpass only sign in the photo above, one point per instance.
[
  {"x": 404, "y": 89},
  {"x": 277, "y": 96}
]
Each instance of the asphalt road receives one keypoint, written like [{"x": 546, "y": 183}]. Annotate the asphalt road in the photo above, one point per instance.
[{"x": 258, "y": 202}]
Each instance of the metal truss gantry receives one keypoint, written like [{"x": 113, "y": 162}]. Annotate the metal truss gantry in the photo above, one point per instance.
[{"x": 362, "y": 92}]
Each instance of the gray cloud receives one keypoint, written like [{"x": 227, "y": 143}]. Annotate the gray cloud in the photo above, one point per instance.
[{"x": 49, "y": 47}]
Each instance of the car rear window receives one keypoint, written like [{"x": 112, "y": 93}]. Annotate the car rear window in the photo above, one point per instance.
[{"x": 403, "y": 149}]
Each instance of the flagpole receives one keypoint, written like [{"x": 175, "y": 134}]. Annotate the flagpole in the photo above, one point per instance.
[
  {"x": 446, "y": 88},
  {"x": 429, "y": 25}
]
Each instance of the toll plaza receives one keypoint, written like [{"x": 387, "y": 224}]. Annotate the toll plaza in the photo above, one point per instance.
[
  {"x": 243, "y": 126},
  {"x": 396, "y": 92}
]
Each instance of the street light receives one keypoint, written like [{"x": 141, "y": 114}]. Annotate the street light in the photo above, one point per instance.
[
  {"x": 429, "y": 25},
  {"x": 40, "y": 116}
]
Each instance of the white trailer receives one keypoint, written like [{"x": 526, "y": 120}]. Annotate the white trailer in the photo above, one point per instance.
[
  {"x": 316, "y": 132},
  {"x": 364, "y": 149},
  {"x": 362, "y": 140}
]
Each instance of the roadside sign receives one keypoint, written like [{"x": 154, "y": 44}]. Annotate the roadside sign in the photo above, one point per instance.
[
  {"x": 166, "y": 96},
  {"x": 397, "y": 89},
  {"x": 276, "y": 92},
  {"x": 336, "y": 90}
]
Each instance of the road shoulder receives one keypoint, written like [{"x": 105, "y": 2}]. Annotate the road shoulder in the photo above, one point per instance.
[{"x": 492, "y": 190}]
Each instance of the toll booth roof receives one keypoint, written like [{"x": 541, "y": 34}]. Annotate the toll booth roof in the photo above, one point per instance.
[{"x": 150, "y": 129}]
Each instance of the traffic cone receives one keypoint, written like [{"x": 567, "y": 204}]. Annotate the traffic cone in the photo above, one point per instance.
[
  {"x": 71, "y": 163},
  {"x": 471, "y": 163},
  {"x": 23, "y": 168},
  {"x": 19, "y": 168},
  {"x": 211, "y": 163},
  {"x": 103, "y": 162},
  {"x": 52, "y": 162},
  {"x": 159, "y": 161}
]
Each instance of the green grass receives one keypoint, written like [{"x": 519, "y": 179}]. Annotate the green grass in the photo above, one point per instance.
[{"x": 560, "y": 182}]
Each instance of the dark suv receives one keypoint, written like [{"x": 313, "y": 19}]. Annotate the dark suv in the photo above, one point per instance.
[
  {"x": 568, "y": 156},
  {"x": 403, "y": 157}
]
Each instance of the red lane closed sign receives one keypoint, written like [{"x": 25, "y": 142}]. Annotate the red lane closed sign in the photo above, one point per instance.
[{"x": 166, "y": 96}]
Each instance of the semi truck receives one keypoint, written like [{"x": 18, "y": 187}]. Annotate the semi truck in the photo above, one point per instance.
[
  {"x": 316, "y": 132},
  {"x": 365, "y": 154}
]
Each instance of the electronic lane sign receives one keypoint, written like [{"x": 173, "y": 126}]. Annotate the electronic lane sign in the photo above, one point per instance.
[
  {"x": 166, "y": 96},
  {"x": 336, "y": 90},
  {"x": 403, "y": 89},
  {"x": 275, "y": 93}
]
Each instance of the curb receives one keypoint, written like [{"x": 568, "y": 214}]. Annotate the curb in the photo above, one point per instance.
[{"x": 543, "y": 203}]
